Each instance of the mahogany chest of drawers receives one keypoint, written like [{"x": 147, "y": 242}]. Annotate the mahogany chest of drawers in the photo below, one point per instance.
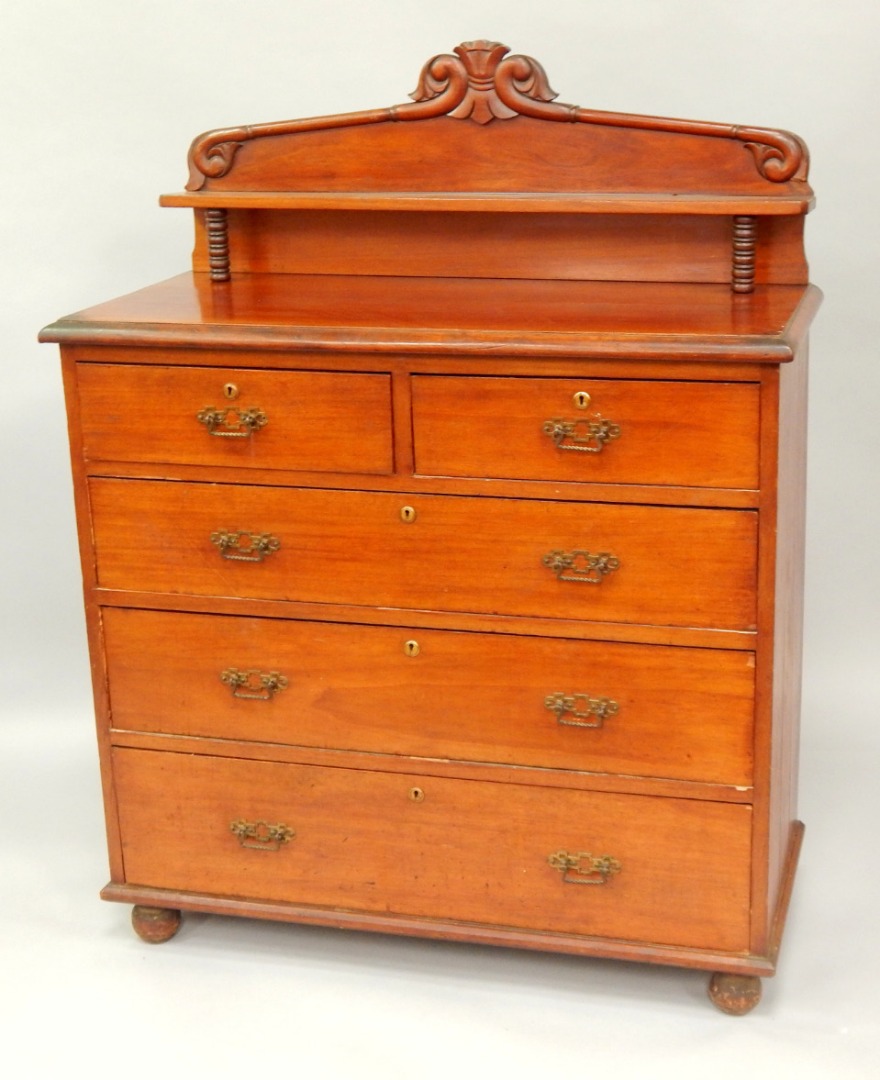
[{"x": 442, "y": 530}]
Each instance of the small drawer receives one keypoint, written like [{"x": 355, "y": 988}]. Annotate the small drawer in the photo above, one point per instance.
[
  {"x": 666, "y": 566},
  {"x": 692, "y": 434},
  {"x": 640, "y": 868},
  {"x": 639, "y": 710},
  {"x": 301, "y": 420}
]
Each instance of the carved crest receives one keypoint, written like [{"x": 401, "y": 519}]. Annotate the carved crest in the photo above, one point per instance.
[
  {"x": 479, "y": 81},
  {"x": 482, "y": 63}
]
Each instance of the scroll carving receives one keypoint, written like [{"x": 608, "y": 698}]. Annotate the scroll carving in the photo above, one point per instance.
[
  {"x": 483, "y": 66},
  {"x": 479, "y": 81}
]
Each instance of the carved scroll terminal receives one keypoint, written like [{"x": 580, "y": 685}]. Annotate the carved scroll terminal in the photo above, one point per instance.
[{"x": 479, "y": 81}]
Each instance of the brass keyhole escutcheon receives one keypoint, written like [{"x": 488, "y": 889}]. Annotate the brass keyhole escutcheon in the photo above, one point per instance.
[
  {"x": 408, "y": 514},
  {"x": 412, "y": 648},
  {"x": 417, "y": 794},
  {"x": 581, "y": 399},
  {"x": 230, "y": 391}
]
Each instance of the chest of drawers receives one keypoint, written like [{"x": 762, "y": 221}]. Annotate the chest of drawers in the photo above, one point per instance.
[{"x": 442, "y": 530}]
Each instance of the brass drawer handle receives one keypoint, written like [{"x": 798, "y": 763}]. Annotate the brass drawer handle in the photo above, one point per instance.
[
  {"x": 587, "y": 436},
  {"x": 253, "y": 685},
  {"x": 232, "y": 423},
  {"x": 261, "y": 836},
  {"x": 581, "y": 566},
  {"x": 582, "y": 707},
  {"x": 245, "y": 546},
  {"x": 582, "y": 868}
]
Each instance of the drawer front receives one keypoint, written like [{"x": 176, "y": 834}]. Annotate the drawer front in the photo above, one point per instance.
[
  {"x": 302, "y": 420},
  {"x": 637, "y": 432},
  {"x": 678, "y": 567},
  {"x": 633, "y": 709},
  {"x": 473, "y": 851}
]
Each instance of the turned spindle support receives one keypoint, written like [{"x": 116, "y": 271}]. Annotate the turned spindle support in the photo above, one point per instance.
[
  {"x": 218, "y": 244},
  {"x": 745, "y": 232}
]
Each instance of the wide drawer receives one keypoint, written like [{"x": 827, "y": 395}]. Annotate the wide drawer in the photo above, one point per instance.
[
  {"x": 588, "y": 430},
  {"x": 676, "y": 870},
  {"x": 601, "y": 707},
  {"x": 658, "y": 565},
  {"x": 304, "y": 420}
]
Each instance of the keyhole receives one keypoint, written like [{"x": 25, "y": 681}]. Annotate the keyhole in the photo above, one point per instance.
[
  {"x": 581, "y": 399},
  {"x": 408, "y": 514},
  {"x": 412, "y": 648},
  {"x": 230, "y": 391},
  {"x": 417, "y": 794}
]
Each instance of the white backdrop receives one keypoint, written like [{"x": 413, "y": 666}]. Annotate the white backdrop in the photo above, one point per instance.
[{"x": 100, "y": 100}]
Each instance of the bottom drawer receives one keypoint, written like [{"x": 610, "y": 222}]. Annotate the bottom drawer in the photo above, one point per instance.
[{"x": 465, "y": 850}]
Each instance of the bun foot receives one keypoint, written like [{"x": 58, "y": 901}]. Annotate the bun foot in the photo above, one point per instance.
[
  {"x": 153, "y": 924},
  {"x": 735, "y": 995}
]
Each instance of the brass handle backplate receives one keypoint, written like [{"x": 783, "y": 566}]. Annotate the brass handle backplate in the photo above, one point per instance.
[
  {"x": 245, "y": 546},
  {"x": 232, "y": 423},
  {"x": 252, "y": 684},
  {"x": 582, "y": 868},
  {"x": 587, "y": 436},
  {"x": 586, "y": 711},
  {"x": 260, "y": 835},
  {"x": 582, "y": 566}
]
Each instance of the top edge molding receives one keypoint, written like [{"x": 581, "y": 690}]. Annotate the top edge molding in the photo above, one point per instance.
[{"x": 481, "y": 82}]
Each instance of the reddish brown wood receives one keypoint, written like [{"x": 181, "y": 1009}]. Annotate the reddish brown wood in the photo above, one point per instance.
[
  {"x": 563, "y": 245},
  {"x": 788, "y": 624},
  {"x": 93, "y": 615},
  {"x": 218, "y": 243},
  {"x": 786, "y": 885},
  {"x": 453, "y": 317},
  {"x": 507, "y": 202},
  {"x": 407, "y": 363},
  {"x": 680, "y": 713},
  {"x": 483, "y": 84},
  {"x": 455, "y": 853},
  {"x": 443, "y": 929},
  {"x": 574, "y": 779},
  {"x": 317, "y": 421},
  {"x": 420, "y": 298},
  {"x": 647, "y": 247},
  {"x": 735, "y": 995},
  {"x": 699, "y": 434},
  {"x": 154, "y": 924},
  {"x": 678, "y": 567},
  {"x": 545, "y": 626},
  {"x": 745, "y": 233}
]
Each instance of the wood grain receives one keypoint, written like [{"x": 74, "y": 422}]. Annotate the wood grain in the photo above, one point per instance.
[
  {"x": 358, "y": 237},
  {"x": 454, "y": 317},
  {"x": 456, "y": 853},
  {"x": 537, "y": 625},
  {"x": 445, "y": 155},
  {"x": 620, "y": 783},
  {"x": 671, "y": 432},
  {"x": 443, "y": 929},
  {"x": 417, "y": 295},
  {"x": 678, "y": 566},
  {"x": 597, "y": 247},
  {"x": 319, "y": 421},
  {"x": 683, "y": 713}
]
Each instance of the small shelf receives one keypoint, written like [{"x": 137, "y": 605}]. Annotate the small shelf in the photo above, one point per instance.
[{"x": 491, "y": 201}]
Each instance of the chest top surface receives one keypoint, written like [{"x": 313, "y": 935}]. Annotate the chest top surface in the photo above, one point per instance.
[{"x": 484, "y": 214}]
